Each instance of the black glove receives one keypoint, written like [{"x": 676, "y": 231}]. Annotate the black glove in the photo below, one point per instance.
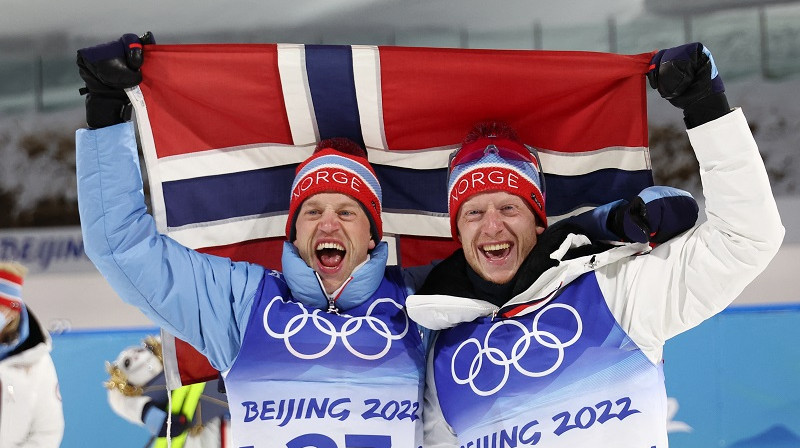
[
  {"x": 108, "y": 69},
  {"x": 655, "y": 215},
  {"x": 688, "y": 78}
]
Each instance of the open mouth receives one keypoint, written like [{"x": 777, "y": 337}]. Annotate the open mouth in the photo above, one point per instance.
[
  {"x": 496, "y": 251},
  {"x": 330, "y": 255}
]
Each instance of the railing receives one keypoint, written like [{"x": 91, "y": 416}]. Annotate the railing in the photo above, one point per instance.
[{"x": 762, "y": 41}]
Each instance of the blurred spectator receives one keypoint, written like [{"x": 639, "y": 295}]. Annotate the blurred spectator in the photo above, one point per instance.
[{"x": 30, "y": 411}]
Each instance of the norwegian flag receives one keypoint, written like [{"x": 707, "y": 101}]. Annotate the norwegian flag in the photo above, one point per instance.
[{"x": 223, "y": 127}]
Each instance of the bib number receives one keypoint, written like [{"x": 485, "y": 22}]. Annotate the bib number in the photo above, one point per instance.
[{"x": 350, "y": 441}]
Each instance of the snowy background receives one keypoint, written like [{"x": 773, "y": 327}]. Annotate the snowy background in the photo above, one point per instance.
[
  {"x": 757, "y": 51},
  {"x": 37, "y": 176}
]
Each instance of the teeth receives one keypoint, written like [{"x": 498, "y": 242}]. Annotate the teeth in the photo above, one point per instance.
[
  {"x": 336, "y": 246},
  {"x": 499, "y": 246}
]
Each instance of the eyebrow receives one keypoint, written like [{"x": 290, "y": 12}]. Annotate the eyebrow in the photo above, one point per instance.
[{"x": 336, "y": 205}]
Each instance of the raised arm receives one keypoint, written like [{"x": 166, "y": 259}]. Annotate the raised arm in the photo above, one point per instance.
[
  {"x": 691, "y": 278},
  {"x": 201, "y": 299}
]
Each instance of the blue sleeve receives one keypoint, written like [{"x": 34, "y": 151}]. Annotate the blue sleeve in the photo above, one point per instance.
[
  {"x": 593, "y": 222},
  {"x": 202, "y": 299}
]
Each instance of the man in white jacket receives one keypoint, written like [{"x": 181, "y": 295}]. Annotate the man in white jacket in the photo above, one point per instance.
[
  {"x": 548, "y": 339},
  {"x": 30, "y": 402}
]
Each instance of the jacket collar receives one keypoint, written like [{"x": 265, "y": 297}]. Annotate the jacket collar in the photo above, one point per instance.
[
  {"x": 441, "y": 309},
  {"x": 306, "y": 288}
]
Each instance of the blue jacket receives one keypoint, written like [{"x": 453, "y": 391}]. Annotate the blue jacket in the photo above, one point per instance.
[{"x": 203, "y": 299}]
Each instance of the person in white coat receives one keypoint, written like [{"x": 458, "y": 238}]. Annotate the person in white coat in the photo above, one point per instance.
[
  {"x": 31, "y": 413},
  {"x": 547, "y": 339}
]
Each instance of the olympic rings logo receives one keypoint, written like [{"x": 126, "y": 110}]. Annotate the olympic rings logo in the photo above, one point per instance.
[
  {"x": 497, "y": 357},
  {"x": 350, "y": 326}
]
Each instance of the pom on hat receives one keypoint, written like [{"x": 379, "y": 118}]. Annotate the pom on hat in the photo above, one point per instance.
[
  {"x": 343, "y": 145},
  {"x": 338, "y": 165},
  {"x": 11, "y": 278},
  {"x": 492, "y": 158}
]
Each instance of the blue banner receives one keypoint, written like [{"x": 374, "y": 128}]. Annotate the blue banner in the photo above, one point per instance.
[
  {"x": 46, "y": 250},
  {"x": 733, "y": 381}
]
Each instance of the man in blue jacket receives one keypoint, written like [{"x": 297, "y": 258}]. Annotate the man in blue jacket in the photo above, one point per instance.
[{"x": 295, "y": 374}]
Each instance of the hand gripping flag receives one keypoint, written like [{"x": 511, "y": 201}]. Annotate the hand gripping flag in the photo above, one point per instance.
[{"x": 223, "y": 127}]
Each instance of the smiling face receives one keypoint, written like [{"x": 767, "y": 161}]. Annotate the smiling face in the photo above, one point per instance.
[
  {"x": 497, "y": 231},
  {"x": 333, "y": 236}
]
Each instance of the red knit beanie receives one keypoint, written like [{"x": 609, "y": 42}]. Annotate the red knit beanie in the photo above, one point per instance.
[
  {"x": 493, "y": 159},
  {"x": 342, "y": 170},
  {"x": 11, "y": 275}
]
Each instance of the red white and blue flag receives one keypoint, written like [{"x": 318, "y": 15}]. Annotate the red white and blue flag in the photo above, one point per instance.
[{"x": 223, "y": 127}]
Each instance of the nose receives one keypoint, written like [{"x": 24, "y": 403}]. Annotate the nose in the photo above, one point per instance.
[
  {"x": 492, "y": 222},
  {"x": 329, "y": 222}
]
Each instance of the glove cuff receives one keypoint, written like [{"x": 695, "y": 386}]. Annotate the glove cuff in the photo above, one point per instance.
[
  {"x": 107, "y": 110},
  {"x": 706, "y": 109},
  {"x": 616, "y": 216}
]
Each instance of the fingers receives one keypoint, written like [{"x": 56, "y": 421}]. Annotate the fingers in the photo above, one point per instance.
[
  {"x": 669, "y": 212},
  {"x": 132, "y": 47},
  {"x": 147, "y": 38},
  {"x": 652, "y": 72},
  {"x": 636, "y": 223},
  {"x": 675, "y": 77},
  {"x": 684, "y": 75}
]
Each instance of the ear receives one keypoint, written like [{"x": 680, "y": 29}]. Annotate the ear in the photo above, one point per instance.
[
  {"x": 371, "y": 244},
  {"x": 539, "y": 229}
]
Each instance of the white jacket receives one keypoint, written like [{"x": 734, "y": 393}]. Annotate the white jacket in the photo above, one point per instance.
[
  {"x": 31, "y": 414},
  {"x": 679, "y": 284}
]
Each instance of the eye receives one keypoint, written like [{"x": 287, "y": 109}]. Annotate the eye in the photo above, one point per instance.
[
  {"x": 347, "y": 213},
  {"x": 126, "y": 363},
  {"x": 472, "y": 215}
]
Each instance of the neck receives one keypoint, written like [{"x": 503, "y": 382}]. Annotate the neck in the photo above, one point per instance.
[
  {"x": 307, "y": 287},
  {"x": 495, "y": 293},
  {"x": 333, "y": 290},
  {"x": 454, "y": 277}
]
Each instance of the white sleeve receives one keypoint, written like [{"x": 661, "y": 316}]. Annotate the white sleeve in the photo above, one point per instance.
[
  {"x": 129, "y": 408},
  {"x": 438, "y": 433},
  {"x": 696, "y": 275},
  {"x": 47, "y": 428}
]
